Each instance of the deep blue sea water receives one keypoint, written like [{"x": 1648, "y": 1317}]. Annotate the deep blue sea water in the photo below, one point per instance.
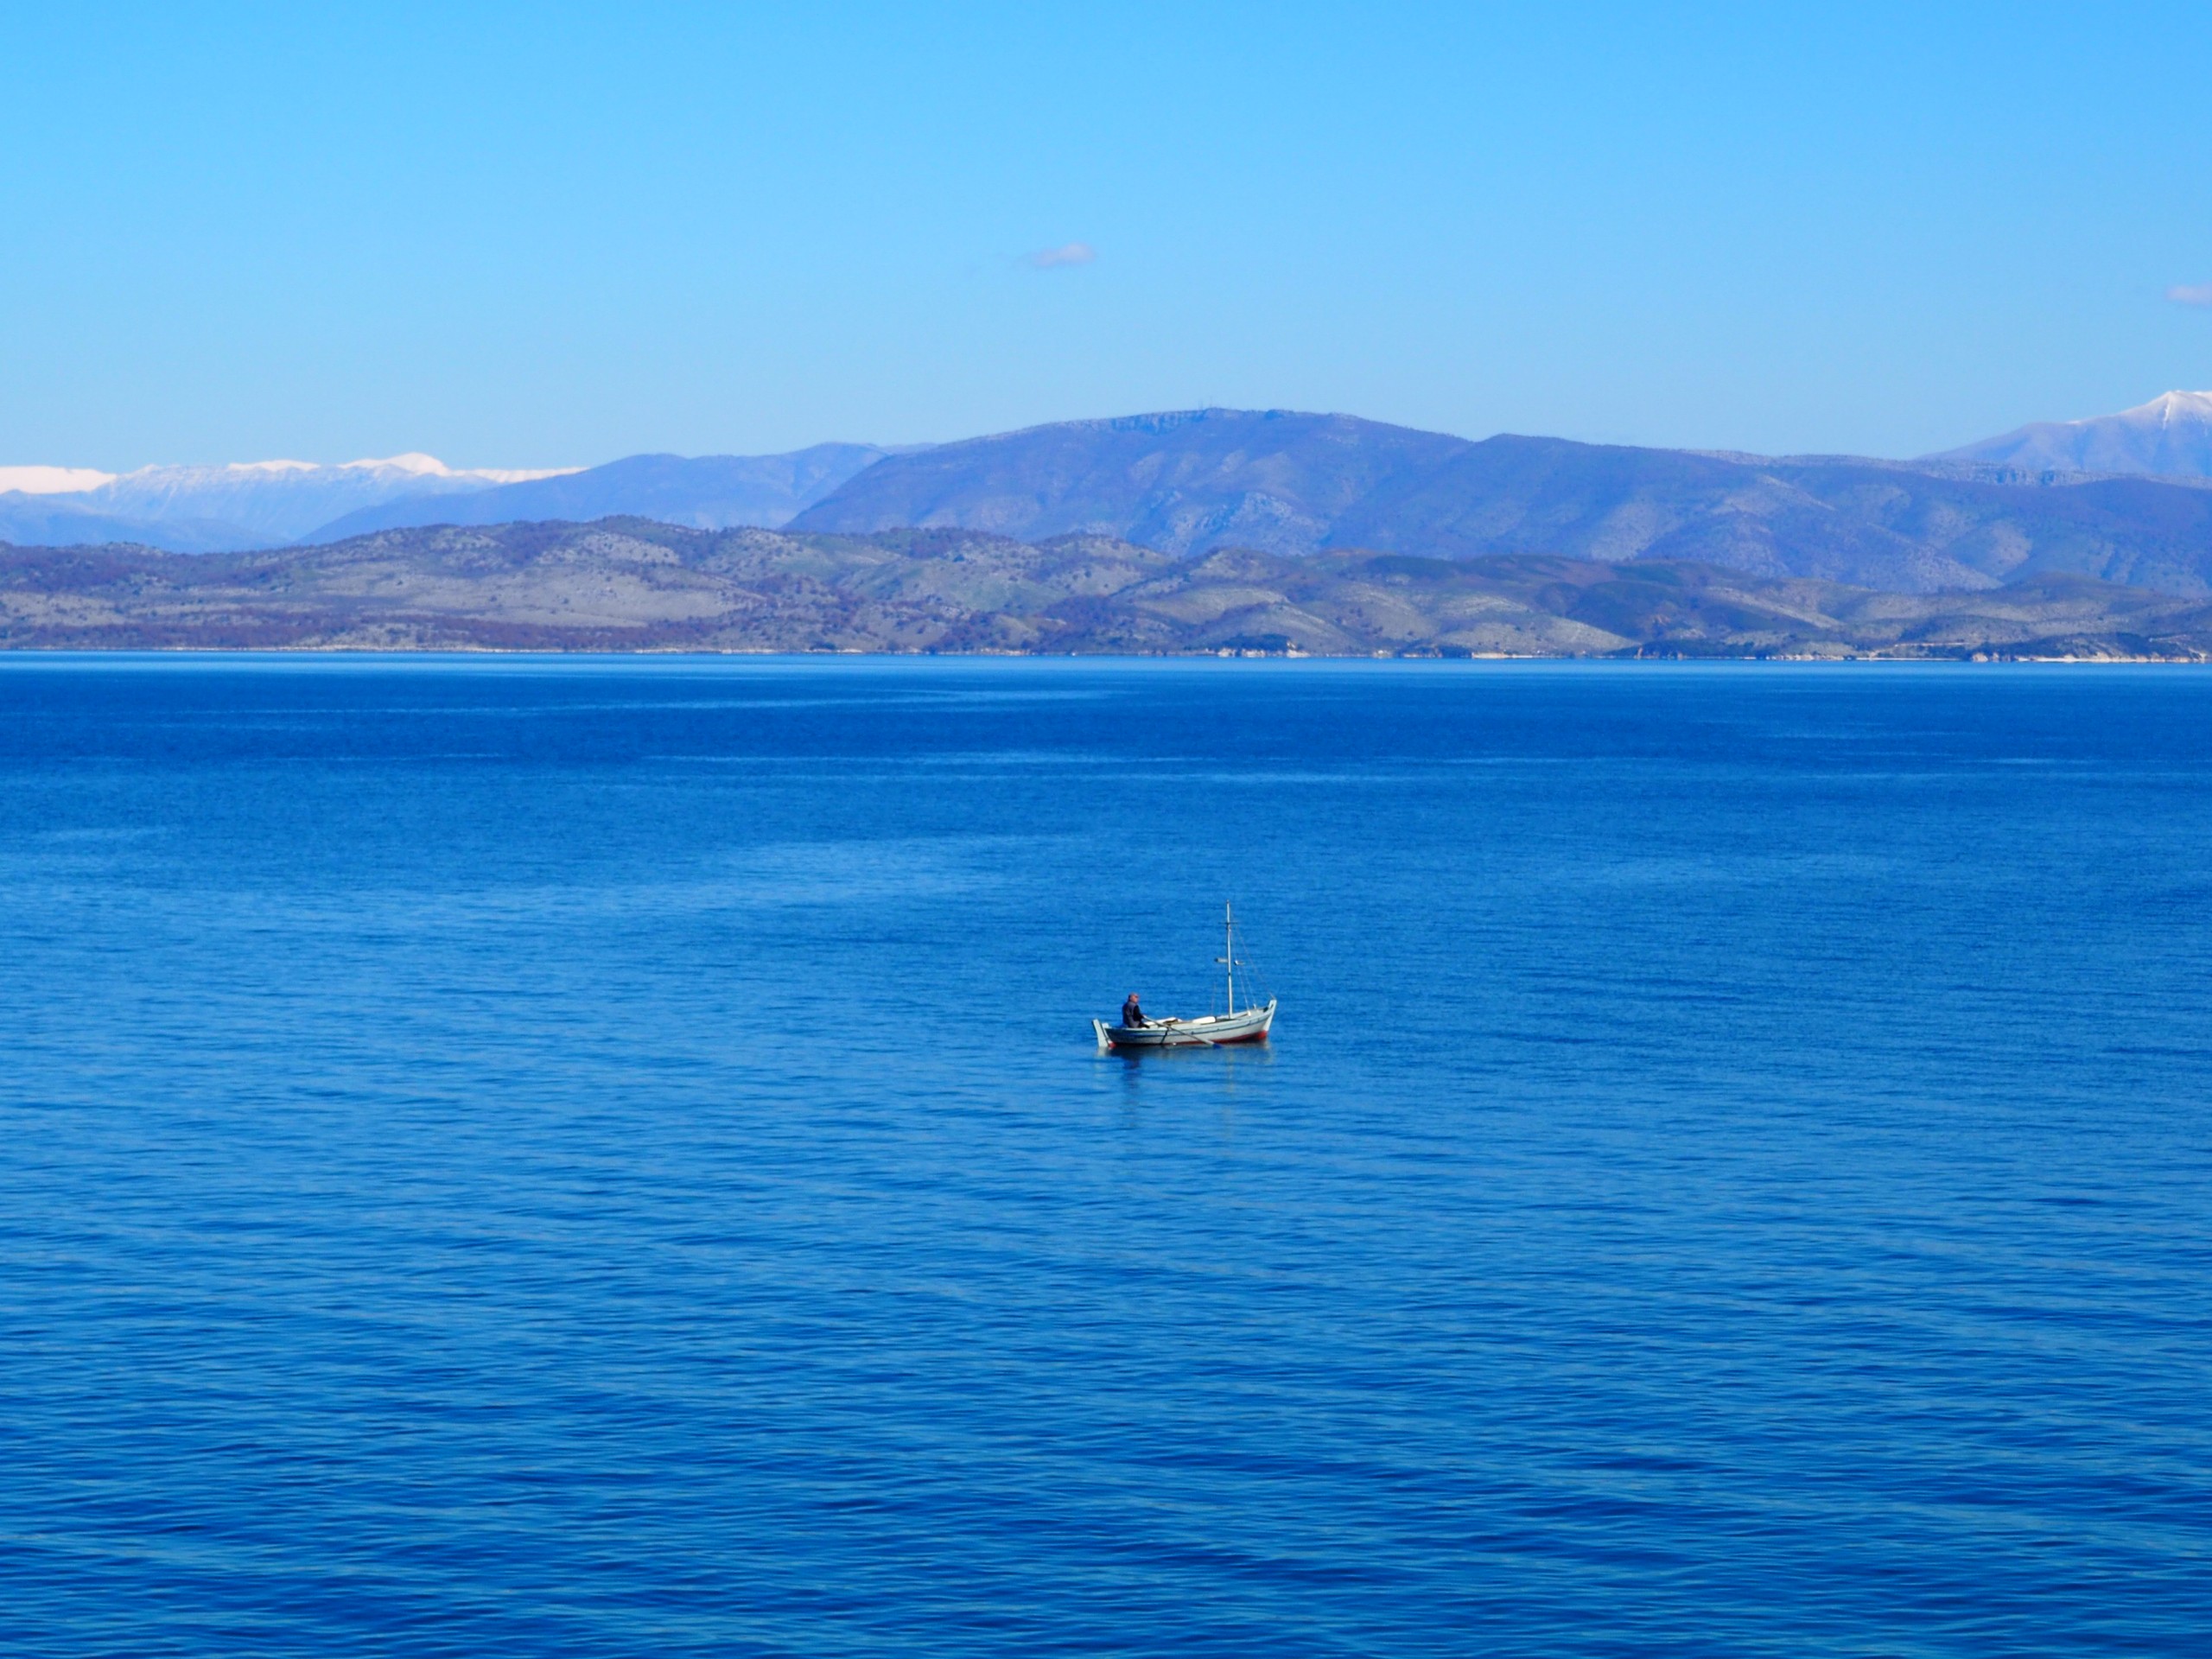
[{"x": 607, "y": 1157}]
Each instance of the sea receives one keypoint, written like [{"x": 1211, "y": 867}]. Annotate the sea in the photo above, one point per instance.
[{"x": 609, "y": 1156}]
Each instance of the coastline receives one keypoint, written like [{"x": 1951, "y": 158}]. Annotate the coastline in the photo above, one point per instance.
[{"x": 634, "y": 586}]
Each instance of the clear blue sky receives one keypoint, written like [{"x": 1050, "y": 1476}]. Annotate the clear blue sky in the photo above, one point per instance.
[{"x": 546, "y": 234}]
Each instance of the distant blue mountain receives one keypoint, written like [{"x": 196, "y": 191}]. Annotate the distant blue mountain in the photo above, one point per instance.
[
  {"x": 1184, "y": 481},
  {"x": 1294, "y": 484},
  {"x": 702, "y": 492},
  {"x": 62, "y": 521},
  {"x": 206, "y": 509}
]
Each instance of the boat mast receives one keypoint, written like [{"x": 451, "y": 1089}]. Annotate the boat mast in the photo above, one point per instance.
[
  {"x": 1228, "y": 959},
  {"x": 1229, "y": 950}
]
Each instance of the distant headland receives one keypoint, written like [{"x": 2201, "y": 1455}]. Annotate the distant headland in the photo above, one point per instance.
[{"x": 637, "y": 585}]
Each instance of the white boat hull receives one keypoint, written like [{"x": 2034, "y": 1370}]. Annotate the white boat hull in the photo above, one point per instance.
[{"x": 1209, "y": 1031}]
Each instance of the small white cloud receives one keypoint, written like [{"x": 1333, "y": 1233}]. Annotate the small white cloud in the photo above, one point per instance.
[
  {"x": 1073, "y": 253},
  {"x": 2191, "y": 294}
]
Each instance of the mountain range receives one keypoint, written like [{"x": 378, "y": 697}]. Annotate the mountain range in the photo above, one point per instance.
[
  {"x": 208, "y": 509},
  {"x": 632, "y": 584},
  {"x": 705, "y": 493},
  {"x": 1291, "y": 483},
  {"x": 283, "y": 503},
  {"x": 2086, "y": 498}
]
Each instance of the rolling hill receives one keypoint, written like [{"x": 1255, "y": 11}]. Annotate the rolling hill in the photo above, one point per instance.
[{"x": 635, "y": 585}]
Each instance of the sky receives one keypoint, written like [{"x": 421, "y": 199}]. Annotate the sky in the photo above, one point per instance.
[{"x": 552, "y": 235}]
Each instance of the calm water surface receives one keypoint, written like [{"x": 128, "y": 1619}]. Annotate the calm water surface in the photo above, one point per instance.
[{"x": 564, "y": 1157}]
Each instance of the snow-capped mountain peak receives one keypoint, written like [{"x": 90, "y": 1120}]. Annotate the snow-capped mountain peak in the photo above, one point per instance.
[
  {"x": 2170, "y": 436},
  {"x": 52, "y": 481},
  {"x": 2177, "y": 406},
  {"x": 242, "y": 503},
  {"x": 415, "y": 464}
]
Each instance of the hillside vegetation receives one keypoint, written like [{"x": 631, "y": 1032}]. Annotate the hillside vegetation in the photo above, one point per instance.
[{"x": 635, "y": 585}]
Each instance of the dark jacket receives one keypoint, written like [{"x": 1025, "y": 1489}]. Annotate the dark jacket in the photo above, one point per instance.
[{"x": 1132, "y": 1015}]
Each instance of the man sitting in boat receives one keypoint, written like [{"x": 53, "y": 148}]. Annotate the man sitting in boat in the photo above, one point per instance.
[{"x": 1132, "y": 1015}]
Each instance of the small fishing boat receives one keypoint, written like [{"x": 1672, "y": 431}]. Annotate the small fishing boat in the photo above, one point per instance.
[{"x": 1207, "y": 1031}]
